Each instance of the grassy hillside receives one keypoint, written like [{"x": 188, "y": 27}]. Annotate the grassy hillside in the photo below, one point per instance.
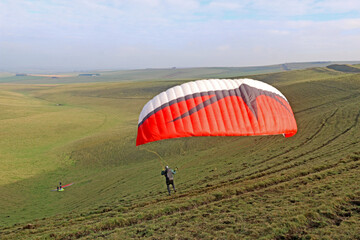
[
  {"x": 141, "y": 74},
  {"x": 344, "y": 68},
  {"x": 160, "y": 74},
  {"x": 303, "y": 65},
  {"x": 268, "y": 187}
]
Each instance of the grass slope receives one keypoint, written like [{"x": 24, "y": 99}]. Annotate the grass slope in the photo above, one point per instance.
[
  {"x": 163, "y": 74},
  {"x": 344, "y": 68},
  {"x": 268, "y": 187}
]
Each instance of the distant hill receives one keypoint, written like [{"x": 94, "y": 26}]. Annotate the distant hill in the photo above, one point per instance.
[
  {"x": 344, "y": 68},
  {"x": 161, "y": 74}
]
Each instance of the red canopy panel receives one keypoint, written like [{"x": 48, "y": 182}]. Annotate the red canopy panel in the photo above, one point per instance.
[{"x": 216, "y": 107}]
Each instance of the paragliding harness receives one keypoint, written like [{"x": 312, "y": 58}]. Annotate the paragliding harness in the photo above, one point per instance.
[{"x": 169, "y": 175}]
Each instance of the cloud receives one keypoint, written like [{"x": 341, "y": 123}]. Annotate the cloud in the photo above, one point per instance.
[
  {"x": 335, "y": 6},
  {"x": 226, "y": 5},
  {"x": 223, "y": 48},
  {"x": 283, "y": 7},
  {"x": 160, "y": 33}
]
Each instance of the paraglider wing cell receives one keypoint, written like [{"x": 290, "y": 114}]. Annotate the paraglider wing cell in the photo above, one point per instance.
[{"x": 216, "y": 107}]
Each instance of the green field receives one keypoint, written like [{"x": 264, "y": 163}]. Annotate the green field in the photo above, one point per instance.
[
  {"x": 157, "y": 74},
  {"x": 304, "y": 187}
]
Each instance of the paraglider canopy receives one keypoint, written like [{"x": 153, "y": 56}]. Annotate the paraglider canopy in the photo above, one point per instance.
[{"x": 216, "y": 107}]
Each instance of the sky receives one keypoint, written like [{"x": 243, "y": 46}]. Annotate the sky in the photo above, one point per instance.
[{"x": 79, "y": 35}]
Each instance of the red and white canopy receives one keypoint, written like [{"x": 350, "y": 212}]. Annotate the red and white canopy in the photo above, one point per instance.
[{"x": 216, "y": 107}]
